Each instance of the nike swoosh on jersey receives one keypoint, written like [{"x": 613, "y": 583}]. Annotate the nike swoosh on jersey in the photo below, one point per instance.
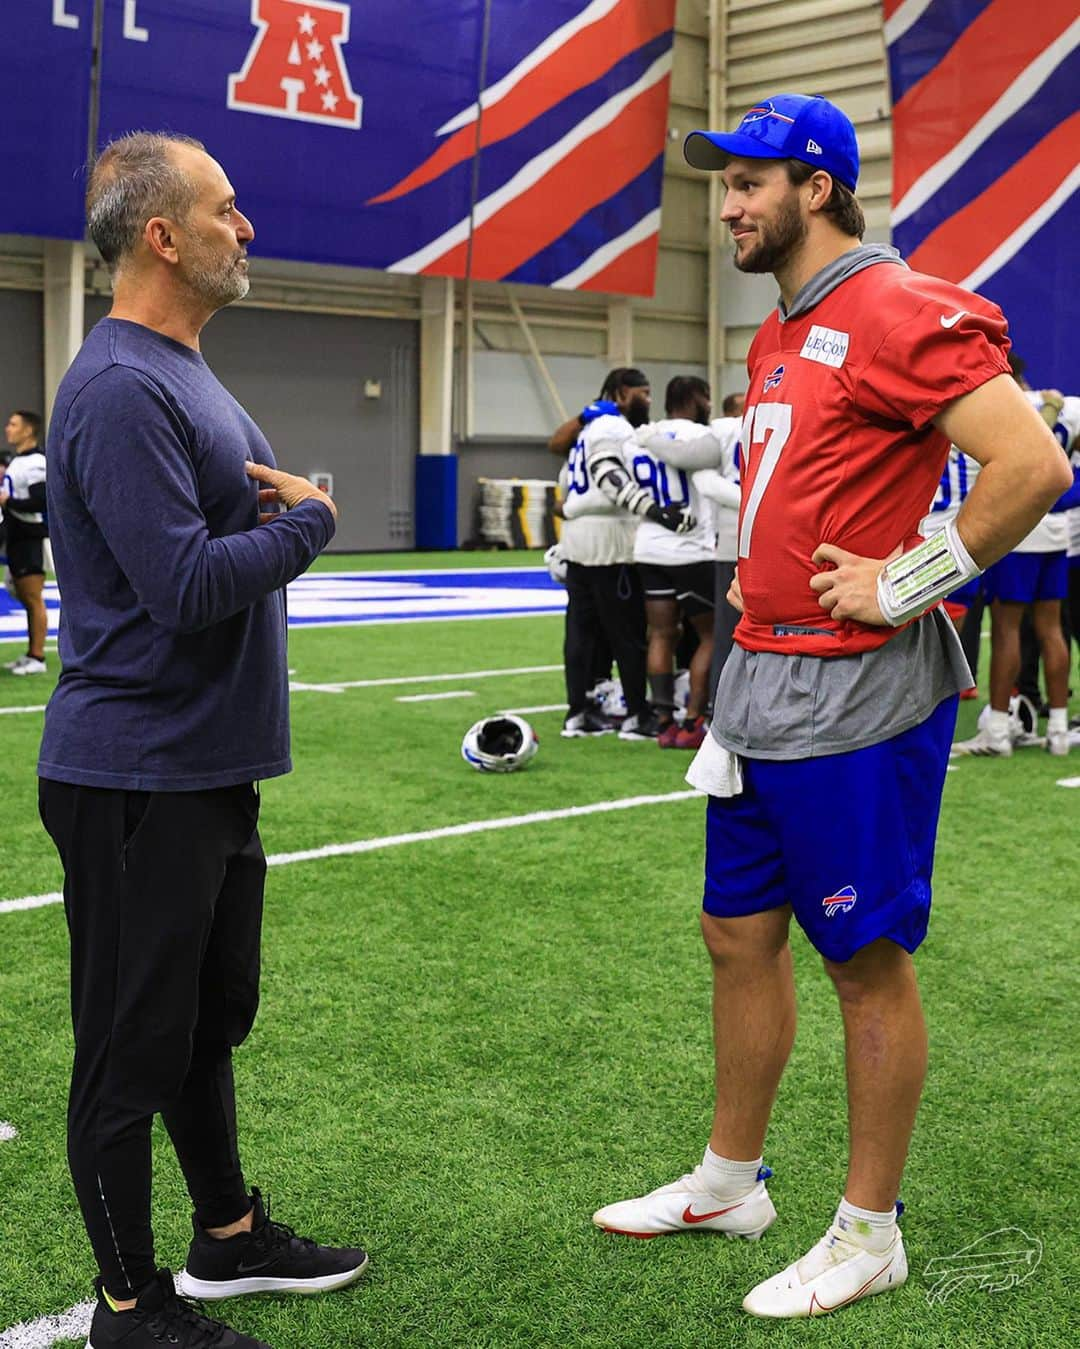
[
  {"x": 689, "y": 1216},
  {"x": 952, "y": 320}
]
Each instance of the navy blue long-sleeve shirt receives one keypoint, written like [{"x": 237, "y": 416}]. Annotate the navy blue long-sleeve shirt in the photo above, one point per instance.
[{"x": 172, "y": 624}]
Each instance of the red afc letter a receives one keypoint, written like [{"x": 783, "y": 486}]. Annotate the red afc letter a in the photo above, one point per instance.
[{"x": 294, "y": 67}]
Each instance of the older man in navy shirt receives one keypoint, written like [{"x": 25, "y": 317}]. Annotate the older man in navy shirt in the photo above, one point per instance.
[{"x": 172, "y": 557}]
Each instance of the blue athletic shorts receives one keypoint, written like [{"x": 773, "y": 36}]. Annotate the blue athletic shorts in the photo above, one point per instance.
[
  {"x": 1023, "y": 578},
  {"x": 847, "y": 839}
]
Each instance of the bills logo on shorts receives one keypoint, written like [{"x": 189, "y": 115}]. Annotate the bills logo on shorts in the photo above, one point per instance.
[
  {"x": 841, "y": 902},
  {"x": 771, "y": 381},
  {"x": 294, "y": 67}
]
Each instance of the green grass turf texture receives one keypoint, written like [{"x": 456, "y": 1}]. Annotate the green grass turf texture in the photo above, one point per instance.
[{"x": 466, "y": 1045}]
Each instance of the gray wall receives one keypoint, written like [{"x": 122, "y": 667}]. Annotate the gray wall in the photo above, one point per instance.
[
  {"x": 496, "y": 458},
  {"x": 22, "y": 371},
  {"x": 302, "y": 377}
]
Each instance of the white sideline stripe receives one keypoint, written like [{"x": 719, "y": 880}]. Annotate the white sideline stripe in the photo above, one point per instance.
[
  {"x": 7, "y": 1131},
  {"x": 363, "y": 845},
  {"x": 589, "y": 15},
  {"x": 340, "y": 684},
  {"x": 434, "y": 697},
  {"x": 647, "y": 226},
  {"x": 1031, "y": 225},
  {"x": 1068, "y": 782},
  {"x": 531, "y": 173},
  {"x": 541, "y": 707},
  {"x": 910, "y": 12},
  {"x": 476, "y": 617},
  {"x": 475, "y": 827},
  {"x": 46, "y": 1330},
  {"x": 13, "y": 711},
  {"x": 1022, "y": 88}
]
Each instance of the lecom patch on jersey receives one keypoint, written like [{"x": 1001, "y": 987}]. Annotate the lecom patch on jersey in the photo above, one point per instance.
[{"x": 826, "y": 345}]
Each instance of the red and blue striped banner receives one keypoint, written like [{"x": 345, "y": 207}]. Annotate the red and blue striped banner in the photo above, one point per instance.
[{"x": 986, "y": 160}]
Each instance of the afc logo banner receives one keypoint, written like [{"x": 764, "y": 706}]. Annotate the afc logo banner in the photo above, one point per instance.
[
  {"x": 826, "y": 345},
  {"x": 294, "y": 67}
]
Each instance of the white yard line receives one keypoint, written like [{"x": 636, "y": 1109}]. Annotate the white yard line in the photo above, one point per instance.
[
  {"x": 14, "y": 711},
  {"x": 540, "y": 707},
  {"x": 46, "y": 1330},
  {"x": 1068, "y": 782},
  {"x": 336, "y": 685},
  {"x": 434, "y": 697},
  {"x": 364, "y": 845}
]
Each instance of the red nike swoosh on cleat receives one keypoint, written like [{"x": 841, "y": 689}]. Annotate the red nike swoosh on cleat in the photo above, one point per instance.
[
  {"x": 691, "y": 1217},
  {"x": 844, "y": 1301}
]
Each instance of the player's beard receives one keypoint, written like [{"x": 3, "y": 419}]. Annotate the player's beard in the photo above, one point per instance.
[
  {"x": 636, "y": 412},
  {"x": 777, "y": 240},
  {"x": 217, "y": 281}
]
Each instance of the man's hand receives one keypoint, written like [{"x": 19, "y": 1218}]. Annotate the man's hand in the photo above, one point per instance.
[
  {"x": 676, "y": 518},
  {"x": 848, "y": 589},
  {"x": 734, "y": 594},
  {"x": 285, "y": 489}
]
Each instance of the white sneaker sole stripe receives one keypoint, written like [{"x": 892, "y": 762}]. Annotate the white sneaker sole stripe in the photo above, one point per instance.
[{"x": 210, "y": 1290}]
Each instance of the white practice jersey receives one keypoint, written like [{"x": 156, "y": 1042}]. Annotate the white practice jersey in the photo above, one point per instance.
[
  {"x": 720, "y": 489},
  {"x": 956, "y": 482},
  {"x": 1051, "y": 534},
  {"x": 26, "y": 470},
  {"x": 595, "y": 533},
  {"x": 670, "y": 487}
]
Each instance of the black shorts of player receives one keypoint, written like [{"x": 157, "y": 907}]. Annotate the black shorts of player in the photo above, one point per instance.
[
  {"x": 26, "y": 557},
  {"x": 692, "y": 585}
]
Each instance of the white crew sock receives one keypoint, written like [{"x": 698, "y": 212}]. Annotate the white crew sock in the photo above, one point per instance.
[
  {"x": 863, "y": 1227},
  {"x": 727, "y": 1179},
  {"x": 998, "y": 724},
  {"x": 1058, "y": 720}
]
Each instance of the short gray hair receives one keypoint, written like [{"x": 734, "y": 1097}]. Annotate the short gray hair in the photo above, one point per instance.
[{"x": 134, "y": 179}]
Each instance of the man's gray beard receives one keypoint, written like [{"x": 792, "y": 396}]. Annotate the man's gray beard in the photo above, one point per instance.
[
  {"x": 787, "y": 235},
  {"x": 218, "y": 286}
]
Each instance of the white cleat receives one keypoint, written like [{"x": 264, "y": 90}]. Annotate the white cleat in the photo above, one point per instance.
[
  {"x": 686, "y": 1206},
  {"x": 833, "y": 1274},
  {"x": 984, "y": 744},
  {"x": 1057, "y": 743}
]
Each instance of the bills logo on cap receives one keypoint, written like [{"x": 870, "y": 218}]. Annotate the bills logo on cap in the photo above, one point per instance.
[
  {"x": 842, "y": 902},
  {"x": 762, "y": 110},
  {"x": 771, "y": 381},
  {"x": 294, "y": 67}
]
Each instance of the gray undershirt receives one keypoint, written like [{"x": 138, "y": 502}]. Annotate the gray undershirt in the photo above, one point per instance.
[{"x": 774, "y": 706}]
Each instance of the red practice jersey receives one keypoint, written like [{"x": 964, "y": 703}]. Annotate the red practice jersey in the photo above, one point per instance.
[{"x": 838, "y": 445}]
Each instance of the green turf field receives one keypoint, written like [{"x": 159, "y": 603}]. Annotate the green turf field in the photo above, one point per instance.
[{"x": 468, "y": 1044}]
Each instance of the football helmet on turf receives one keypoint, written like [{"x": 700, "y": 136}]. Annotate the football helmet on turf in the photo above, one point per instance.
[{"x": 499, "y": 744}]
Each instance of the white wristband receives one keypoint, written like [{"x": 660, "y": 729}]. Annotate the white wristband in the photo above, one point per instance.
[{"x": 915, "y": 580}]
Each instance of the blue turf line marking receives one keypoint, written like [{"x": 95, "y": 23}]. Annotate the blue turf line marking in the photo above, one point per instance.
[{"x": 325, "y": 599}]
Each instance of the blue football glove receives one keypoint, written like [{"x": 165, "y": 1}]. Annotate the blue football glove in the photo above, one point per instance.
[{"x": 603, "y": 407}]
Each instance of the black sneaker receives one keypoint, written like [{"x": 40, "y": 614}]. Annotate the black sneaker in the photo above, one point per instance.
[
  {"x": 585, "y": 723},
  {"x": 160, "y": 1317},
  {"x": 644, "y": 726},
  {"x": 270, "y": 1258}
]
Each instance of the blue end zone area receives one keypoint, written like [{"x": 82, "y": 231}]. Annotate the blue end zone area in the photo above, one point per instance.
[{"x": 329, "y": 598}]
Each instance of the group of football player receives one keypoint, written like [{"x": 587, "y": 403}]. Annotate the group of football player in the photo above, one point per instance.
[
  {"x": 648, "y": 550},
  {"x": 647, "y": 554},
  {"x": 1033, "y": 594}
]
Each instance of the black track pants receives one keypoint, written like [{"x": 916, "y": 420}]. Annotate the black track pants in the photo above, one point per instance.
[
  {"x": 606, "y": 602},
  {"x": 163, "y": 893}
]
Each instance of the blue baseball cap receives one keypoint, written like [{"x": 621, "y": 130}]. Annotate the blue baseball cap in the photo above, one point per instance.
[{"x": 787, "y": 126}]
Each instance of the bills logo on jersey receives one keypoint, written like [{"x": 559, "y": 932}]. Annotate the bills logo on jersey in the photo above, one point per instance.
[
  {"x": 773, "y": 380},
  {"x": 826, "y": 345},
  {"x": 842, "y": 902},
  {"x": 294, "y": 67}
]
